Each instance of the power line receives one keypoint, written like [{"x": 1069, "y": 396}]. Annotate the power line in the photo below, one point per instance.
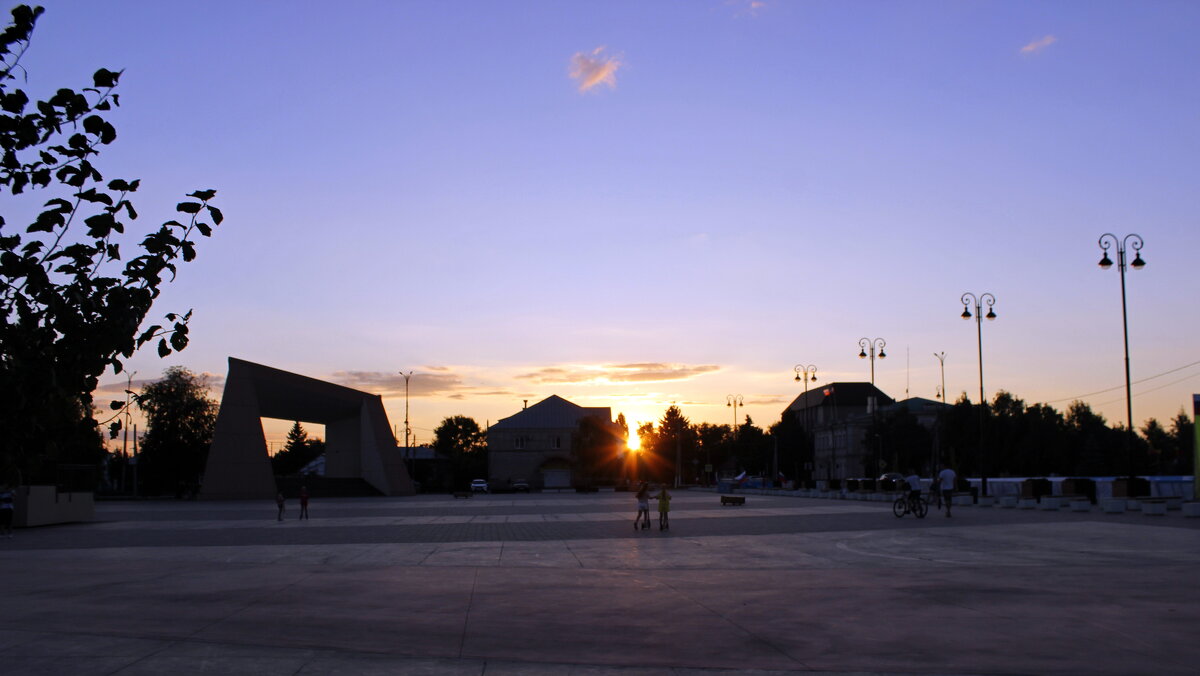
[
  {"x": 1173, "y": 382},
  {"x": 1136, "y": 382}
]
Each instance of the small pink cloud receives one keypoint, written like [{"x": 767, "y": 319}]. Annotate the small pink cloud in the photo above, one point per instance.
[
  {"x": 594, "y": 69},
  {"x": 1038, "y": 45}
]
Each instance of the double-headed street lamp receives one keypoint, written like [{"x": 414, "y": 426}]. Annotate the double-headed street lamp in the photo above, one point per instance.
[
  {"x": 734, "y": 400},
  {"x": 805, "y": 373},
  {"x": 866, "y": 344},
  {"x": 1134, "y": 241},
  {"x": 979, "y": 301}
]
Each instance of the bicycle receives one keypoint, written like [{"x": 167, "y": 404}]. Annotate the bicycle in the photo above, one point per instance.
[{"x": 907, "y": 504}]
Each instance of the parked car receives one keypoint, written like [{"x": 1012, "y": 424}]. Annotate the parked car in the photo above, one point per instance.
[
  {"x": 478, "y": 485},
  {"x": 520, "y": 486}
]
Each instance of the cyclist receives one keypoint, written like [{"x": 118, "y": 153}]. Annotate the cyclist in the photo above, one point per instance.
[{"x": 914, "y": 488}]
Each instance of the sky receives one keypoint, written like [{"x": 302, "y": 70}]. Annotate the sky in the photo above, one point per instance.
[{"x": 634, "y": 204}]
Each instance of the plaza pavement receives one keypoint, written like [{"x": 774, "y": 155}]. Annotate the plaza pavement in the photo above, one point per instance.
[{"x": 562, "y": 584}]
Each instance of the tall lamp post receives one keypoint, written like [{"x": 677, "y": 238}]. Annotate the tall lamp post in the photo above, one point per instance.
[
  {"x": 866, "y": 344},
  {"x": 1134, "y": 241},
  {"x": 734, "y": 400},
  {"x": 941, "y": 357},
  {"x": 125, "y": 441},
  {"x": 407, "y": 429},
  {"x": 804, "y": 373},
  {"x": 979, "y": 301}
]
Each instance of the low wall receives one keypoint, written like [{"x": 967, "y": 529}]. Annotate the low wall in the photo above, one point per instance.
[
  {"x": 1160, "y": 486},
  {"x": 44, "y": 505}
]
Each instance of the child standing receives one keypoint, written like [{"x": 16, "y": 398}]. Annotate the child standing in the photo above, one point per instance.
[
  {"x": 643, "y": 505},
  {"x": 664, "y": 509},
  {"x": 304, "y": 502},
  {"x": 279, "y": 503}
]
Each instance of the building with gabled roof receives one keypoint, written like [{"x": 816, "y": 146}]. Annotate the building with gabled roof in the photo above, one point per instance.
[
  {"x": 536, "y": 444},
  {"x": 838, "y": 418}
]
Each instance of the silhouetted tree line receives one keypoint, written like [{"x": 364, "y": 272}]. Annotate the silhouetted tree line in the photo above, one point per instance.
[
  {"x": 1020, "y": 439},
  {"x": 728, "y": 451}
]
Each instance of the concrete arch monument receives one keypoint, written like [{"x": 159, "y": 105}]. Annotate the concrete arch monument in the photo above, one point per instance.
[{"x": 358, "y": 437}]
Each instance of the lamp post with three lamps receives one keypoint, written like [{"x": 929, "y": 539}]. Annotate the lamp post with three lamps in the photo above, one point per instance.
[{"x": 1134, "y": 241}]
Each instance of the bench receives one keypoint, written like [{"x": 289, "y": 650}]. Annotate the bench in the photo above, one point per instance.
[
  {"x": 463, "y": 494},
  {"x": 733, "y": 500}
]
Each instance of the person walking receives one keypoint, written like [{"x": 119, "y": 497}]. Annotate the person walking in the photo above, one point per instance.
[
  {"x": 643, "y": 505},
  {"x": 304, "y": 502},
  {"x": 664, "y": 509},
  {"x": 7, "y": 511},
  {"x": 946, "y": 480},
  {"x": 279, "y": 503}
]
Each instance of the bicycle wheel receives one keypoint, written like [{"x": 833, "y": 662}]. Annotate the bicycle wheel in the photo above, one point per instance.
[
  {"x": 922, "y": 508},
  {"x": 900, "y": 507}
]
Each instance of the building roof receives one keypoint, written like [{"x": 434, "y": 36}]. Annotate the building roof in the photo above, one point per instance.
[
  {"x": 848, "y": 394},
  {"x": 916, "y": 405},
  {"x": 553, "y": 412}
]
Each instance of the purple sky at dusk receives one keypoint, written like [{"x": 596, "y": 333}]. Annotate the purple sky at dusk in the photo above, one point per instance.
[{"x": 637, "y": 203}]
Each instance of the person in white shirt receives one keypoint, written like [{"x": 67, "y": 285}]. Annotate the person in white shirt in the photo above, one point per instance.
[
  {"x": 914, "y": 489},
  {"x": 946, "y": 480},
  {"x": 914, "y": 484}
]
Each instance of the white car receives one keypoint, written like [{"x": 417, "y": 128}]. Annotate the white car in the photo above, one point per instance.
[{"x": 478, "y": 485}]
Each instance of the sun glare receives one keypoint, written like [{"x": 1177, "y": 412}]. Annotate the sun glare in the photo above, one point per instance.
[{"x": 634, "y": 442}]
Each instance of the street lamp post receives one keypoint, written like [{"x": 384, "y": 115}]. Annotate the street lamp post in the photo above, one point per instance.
[
  {"x": 1134, "y": 241},
  {"x": 865, "y": 345},
  {"x": 804, "y": 373},
  {"x": 941, "y": 357},
  {"x": 979, "y": 301},
  {"x": 407, "y": 429},
  {"x": 125, "y": 438},
  {"x": 734, "y": 400}
]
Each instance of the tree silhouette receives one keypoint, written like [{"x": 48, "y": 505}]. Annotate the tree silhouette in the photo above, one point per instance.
[
  {"x": 72, "y": 305},
  {"x": 180, "y": 418}
]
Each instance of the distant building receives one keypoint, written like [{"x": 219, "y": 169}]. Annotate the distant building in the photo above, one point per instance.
[
  {"x": 535, "y": 445},
  {"x": 839, "y": 416}
]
